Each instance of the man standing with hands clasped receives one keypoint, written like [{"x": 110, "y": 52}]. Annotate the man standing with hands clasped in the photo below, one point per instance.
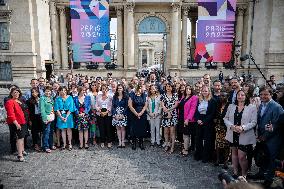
[{"x": 268, "y": 132}]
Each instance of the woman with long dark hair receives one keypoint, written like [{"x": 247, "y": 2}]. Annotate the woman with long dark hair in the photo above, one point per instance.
[
  {"x": 169, "y": 103},
  {"x": 119, "y": 113},
  {"x": 35, "y": 117},
  {"x": 222, "y": 145},
  {"x": 137, "y": 105},
  {"x": 240, "y": 119},
  {"x": 187, "y": 107}
]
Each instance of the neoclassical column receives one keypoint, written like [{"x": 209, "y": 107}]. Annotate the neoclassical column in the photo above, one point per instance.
[
  {"x": 54, "y": 39},
  {"x": 193, "y": 33},
  {"x": 153, "y": 57},
  {"x": 184, "y": 37},
  {"x": 63, "y": 35},
  {"x": 119, "y": 13},
  {"x": 140, "y": 58},
  {"x": 174, "y": 35},
  {"x": 130, "y": 35},
  {"x": 240, "y": 25},
  {"x": 148, "y": 57}
]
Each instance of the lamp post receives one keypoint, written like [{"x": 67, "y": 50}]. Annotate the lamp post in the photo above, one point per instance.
[
  {"x": 238, "y": 47},
  {"x": 164, "y": 52},
  {"x": 70, "y": 53},
  {"x": 113, "y": 38}
]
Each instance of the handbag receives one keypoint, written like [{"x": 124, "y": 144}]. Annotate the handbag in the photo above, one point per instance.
[{"x": 50, "y": 117}]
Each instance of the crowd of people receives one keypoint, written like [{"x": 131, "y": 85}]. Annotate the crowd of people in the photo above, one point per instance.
[{"x": 211, "y": 120}]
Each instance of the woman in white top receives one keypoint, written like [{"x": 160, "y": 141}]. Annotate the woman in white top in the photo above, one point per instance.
[
  {"x": 154, "y": 114},
  {"x": 93, "y": 92},
  {"x": 103, "y": 109}
]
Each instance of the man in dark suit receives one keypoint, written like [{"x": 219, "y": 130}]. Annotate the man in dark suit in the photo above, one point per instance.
[
  {"x": 235, "y": 88},
  {"x": 268, "y": 132}
]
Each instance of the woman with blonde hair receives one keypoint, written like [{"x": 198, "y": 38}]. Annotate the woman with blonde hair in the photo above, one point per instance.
[{"x": 204, "y": 115}]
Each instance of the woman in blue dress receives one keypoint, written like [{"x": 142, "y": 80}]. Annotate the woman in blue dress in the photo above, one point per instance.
[
  {"x": 138, "y": 106},
  {"x": 64, "y": 107},
  {"x": 83, "y": 107},
  {"x": 119, "y": 113}
]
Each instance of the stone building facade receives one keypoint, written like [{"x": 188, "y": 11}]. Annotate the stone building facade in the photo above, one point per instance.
[{"x": 37, "y": 35}]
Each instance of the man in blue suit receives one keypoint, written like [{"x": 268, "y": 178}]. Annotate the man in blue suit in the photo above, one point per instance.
[{"x": 268, "y": 132}]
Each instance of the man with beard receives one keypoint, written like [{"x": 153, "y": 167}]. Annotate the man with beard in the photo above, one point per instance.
[{"x": 235, "y": 88}]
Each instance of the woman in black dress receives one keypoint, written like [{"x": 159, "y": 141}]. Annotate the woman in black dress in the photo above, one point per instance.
[{"x": 137, "y": 105}]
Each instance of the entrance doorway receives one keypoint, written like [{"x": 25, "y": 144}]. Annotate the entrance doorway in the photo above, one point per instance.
[{"x": 152, "y": 43}]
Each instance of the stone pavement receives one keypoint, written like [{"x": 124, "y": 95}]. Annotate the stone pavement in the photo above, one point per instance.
[{"x": 104, "y": 168}]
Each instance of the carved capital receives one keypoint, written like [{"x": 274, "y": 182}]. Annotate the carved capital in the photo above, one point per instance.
[
  {"x": 130, "y": 7},
  {"x": 176, "y": 7},
  {"x": 61, "y": 10},
  {"x": 240, "y": 10},
  {"x": 185, "y": 10},
  {"x": 119, "y": 10}
]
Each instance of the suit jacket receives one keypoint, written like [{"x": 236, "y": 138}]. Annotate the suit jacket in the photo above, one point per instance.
[
  {"x": 210, "y": 113},
  {"x": 190, "y": 108},
  {"x": 248, "y": 122},
  {"x": 271, "y": 114}
]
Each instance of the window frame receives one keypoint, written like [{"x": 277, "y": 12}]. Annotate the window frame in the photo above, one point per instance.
[
  {"x": 9, "y": 36},
  {"x": 10, "y": 70}
]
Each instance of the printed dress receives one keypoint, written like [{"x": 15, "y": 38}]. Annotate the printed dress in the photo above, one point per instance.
[
  {"x": 82, "y": 121},
  {"x": 119, "y": 107},
  {"x": 169, "y": 102}
]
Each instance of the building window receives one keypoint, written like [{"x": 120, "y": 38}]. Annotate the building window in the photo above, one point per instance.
[
  {"x": 6, "y": 71},
  {"x": 2, "y": 2},
  {"x": 4, "y": 36}
]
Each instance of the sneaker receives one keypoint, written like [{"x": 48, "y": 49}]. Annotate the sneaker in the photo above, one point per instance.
[{"x": 102, "y": 145}]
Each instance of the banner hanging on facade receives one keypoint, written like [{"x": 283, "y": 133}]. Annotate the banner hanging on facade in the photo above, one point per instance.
[
  {"x": 90, "y": 30},
  {"x": 215, "y": 30}
]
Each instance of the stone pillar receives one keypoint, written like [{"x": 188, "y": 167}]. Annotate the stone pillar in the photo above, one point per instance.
[
  {"x": 63, "y": 34},
  {"x": 184, "y": 38},
  {"x": 119, "y": 13},
  {"x": 153, "y": 57},
  {"x": 54, "y": 31},
  {"x": 193, "y": 20},
  {"x": 148, "y": 57},
  {"x": 174, "y": 35},
  {"x": 140, "y": 58},
  {"x": 130, "y": 35},
  {"x": 240, "y": 25}
]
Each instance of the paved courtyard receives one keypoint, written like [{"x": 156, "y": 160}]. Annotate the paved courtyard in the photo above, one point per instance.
[{"x": 103, "y": 168}]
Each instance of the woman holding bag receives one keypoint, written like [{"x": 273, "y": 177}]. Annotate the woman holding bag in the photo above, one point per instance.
[{"x": 47, "y": 115}]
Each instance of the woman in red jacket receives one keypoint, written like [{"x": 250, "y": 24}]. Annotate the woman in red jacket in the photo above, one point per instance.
[{"x": 16, "y": 120}]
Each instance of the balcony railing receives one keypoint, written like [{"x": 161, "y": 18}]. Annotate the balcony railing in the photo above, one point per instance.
[{"x": 4, "y": 45}]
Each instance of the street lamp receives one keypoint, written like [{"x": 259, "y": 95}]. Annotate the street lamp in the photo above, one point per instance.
[{"x": 238, "y": 48}]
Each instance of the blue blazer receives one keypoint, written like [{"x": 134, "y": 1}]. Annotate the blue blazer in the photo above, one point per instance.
[
  {"x": 87, "y": 102},
  {"x": 271, "y": 114}
]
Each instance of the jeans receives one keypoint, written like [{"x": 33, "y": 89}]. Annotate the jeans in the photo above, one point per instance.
[
  {"x": 47, "y": 136},
  {"x": 155, "y": 130}
]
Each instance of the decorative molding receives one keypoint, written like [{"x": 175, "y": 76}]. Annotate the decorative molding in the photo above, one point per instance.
[
  {"x": 61, "y": 9},
  {"x": 6, "y": 14},
  {"x": 241, "y": 10},
  {"x": 185, "y": 10},
  {"x": 155, "y": 15}
]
